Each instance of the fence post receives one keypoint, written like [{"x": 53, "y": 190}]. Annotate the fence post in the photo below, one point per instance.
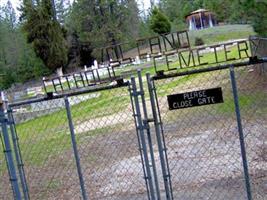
[
  {"x": 147, "y": 127},
  {"x": 75, "y": 150},
  {"x": 18, "y": 154},
  {"x": 161, "y": 143},
  {"x": 140, "y": 127},
  {"x": 8, "y": 153},
  {"x": 138, "y": 139},
  {"x": 241, "y": 134}
]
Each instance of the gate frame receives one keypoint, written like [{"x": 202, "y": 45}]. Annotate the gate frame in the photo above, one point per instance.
[
  {"x": 8, "y": 153},
  {"x": 10, "y": 120},
  {"x": 156, "y": 111}
]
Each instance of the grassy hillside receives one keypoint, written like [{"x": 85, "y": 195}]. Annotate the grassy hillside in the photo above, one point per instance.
[{"x": 222, "y": 33}]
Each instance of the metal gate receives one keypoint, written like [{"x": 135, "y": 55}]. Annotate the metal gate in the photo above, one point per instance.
[
  {"x": 76, "y": 146},
  {"x": 203, "y": 149}
]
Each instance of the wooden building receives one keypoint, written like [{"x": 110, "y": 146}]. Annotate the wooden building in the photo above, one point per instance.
[{"x": 200, "y": 19}]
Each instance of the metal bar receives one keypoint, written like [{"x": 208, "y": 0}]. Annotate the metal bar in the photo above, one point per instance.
[
  {"x": 83, "y": 91},
  {"x": 150, "y": 45},
  {"x": 166, "y": 176},
  {"x": 82, "y": 79},
  {"x": 75, "y": 150},
  {"x": 155, "y": 64},
  {"x": 113, "y": 71},
  {"x": 8, "y": 169},
  {"x": 241, "y": 134},
  {"x": 145, "y": 121},
  {"x": 93, "y": 74},
  {"x": 18, "y": 156},
  {"x": 162, "y": 135},
  {"x": 61, "y": 84},
  {"x": 55, "y": 88},
  {"x": 9, "y": 155},
  {"x": 98, "y": 76},
  {"x": 209, "y": 69},
  {"x": 164, "y": 42},
  {"x": 44, "y": 86},
  {"x": 178, "y": 40},
  {"x": 109, "y": 75},
  {"x": 139, "y": 142},
  {"x": 86, "y": 78},
  {"x": 143, "y": 142},
  {"x": 67, "y": 82},
  {"x": 187, "y": 38}
]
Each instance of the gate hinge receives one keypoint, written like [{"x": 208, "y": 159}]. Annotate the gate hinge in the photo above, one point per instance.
[
  {"x": 7, "y": 151},
  {"x": 137, "y": 93},
  {"x": 167, "y": 176},
  {"x": 146, "y": 121},
  {"x": 13, "y": 179},
  {"x": 4, "y": 120},
  {"x": 10, "y": 122}
]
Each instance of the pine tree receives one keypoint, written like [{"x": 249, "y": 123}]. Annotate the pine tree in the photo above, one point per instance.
[
  {"x": 45, "y": 34},
  {"x": 258, "y": 15},
  {"x": 159, "y": 23},
  {"x": 102, "y": 23},
  {"x": 18, "y": 62}
]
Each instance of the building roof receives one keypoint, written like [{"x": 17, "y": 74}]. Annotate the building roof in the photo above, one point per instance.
[{"x": 201, "y": 10}]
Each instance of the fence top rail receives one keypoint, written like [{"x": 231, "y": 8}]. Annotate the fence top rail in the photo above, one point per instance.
[
  {"x": 50, "y": 96},
  {"x": 251, "y": 61}
]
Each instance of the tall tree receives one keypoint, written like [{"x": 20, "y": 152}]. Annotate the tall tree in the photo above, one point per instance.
[
  {"x": 176, "y": 10},
  {"x": 257, "y": 14},
  {"x": 159, "y": 23},
  {"x": 104, "y": 22},
  {"x": 45, "y": 33},
  {"x": 225, "y": 10},
  {"x": 18, "y": 62}
]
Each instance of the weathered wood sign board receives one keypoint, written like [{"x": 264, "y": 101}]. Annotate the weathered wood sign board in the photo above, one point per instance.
[{"x": 195, "y": 98}]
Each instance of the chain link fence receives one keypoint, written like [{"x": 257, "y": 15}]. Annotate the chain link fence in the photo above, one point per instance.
[
  {"x": 252, "y": 88},
  {"x": 108, "y": 146},
  {"x": 5, "y": 191},
  {"x": 203, "y": 145},
  {"x": 259, "y": 49},
  {"x": 78, "y": 147},
  {"x": 45, "y": 145}
]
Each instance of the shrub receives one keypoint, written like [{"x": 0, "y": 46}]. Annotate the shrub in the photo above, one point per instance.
[
  {"x": 159, "y": 22},
  {"x": 199, "y": 41}
]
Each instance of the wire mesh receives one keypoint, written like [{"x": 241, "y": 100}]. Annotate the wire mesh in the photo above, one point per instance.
[
  {"x": 252, "y": 86},
  {"x": 5, "y": 191},
  {"x": 108, "y": 145},
  {"x": 202, "y": 142},
  {"x": 46, "y": 151}
]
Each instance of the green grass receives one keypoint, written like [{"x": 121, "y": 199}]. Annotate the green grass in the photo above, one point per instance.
[
  {"x": 37, "y": 147},
  {"x": 91, "y": 108},
  {"x": 221, "y": 33},
  {"x": 207, "y": 58},
  {"x": 50, "y": 132},
  {"x": 246, "y": 102},
  {"x": 210, "y": 36}
]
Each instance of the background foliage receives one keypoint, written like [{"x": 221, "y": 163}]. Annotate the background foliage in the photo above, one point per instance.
[{"x": 159, "y": 23}]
